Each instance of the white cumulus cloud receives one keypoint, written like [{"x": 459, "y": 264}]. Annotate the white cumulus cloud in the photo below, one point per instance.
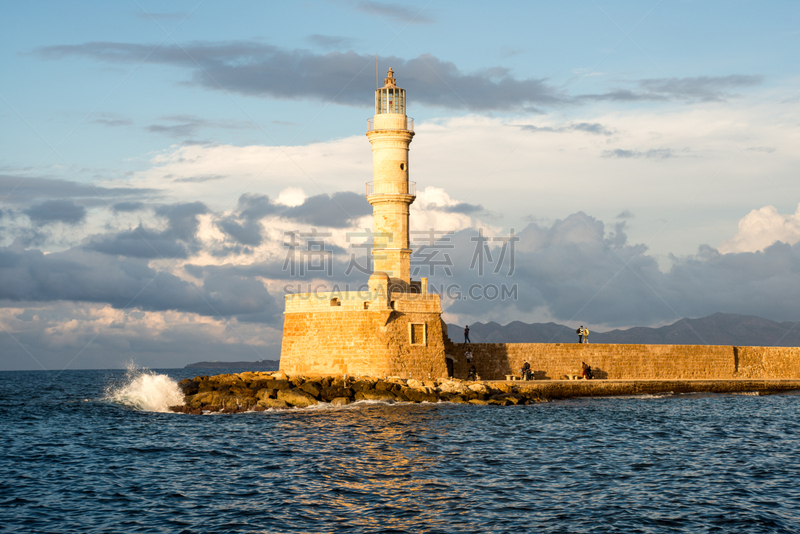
[{"x": 761, "y": 228}]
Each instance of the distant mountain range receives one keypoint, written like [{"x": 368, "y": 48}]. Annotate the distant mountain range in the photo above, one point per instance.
[
  {"x": 717, "y": 329},
  {"x": 261, "y": 365}
]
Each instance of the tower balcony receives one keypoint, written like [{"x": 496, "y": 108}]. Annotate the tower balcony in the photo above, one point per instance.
[
  {"x": 391, "y": 188},
  {"x": 392, "y": 121}
]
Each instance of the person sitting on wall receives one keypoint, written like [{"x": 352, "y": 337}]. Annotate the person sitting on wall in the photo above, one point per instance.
[
  {"x": 473, "y": 373},
  {"x": 525, "y": 372},
  {"x": 468, "y": 356},
  {"x": 587, "y": 371}
]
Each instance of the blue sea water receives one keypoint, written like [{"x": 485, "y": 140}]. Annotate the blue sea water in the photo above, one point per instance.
[{"x": 83, "y": 451}]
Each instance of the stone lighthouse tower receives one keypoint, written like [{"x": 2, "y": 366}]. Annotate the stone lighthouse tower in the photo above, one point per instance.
[
  {"x": 390, "y": 132},
  {"x": 394, "y": 326}
]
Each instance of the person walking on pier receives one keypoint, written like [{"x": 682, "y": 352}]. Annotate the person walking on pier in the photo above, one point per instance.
[
  {"x": 466, "y": 334},
  {"x": 579, "y": 331}
]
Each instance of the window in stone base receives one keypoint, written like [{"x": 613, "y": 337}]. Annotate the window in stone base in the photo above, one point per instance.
[{"x": 418, "y": 333}]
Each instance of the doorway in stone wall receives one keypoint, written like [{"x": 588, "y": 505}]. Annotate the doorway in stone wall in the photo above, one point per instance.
[{"x": 449, "y": 362}]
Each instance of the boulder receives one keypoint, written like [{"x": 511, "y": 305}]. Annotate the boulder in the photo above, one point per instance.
[
  {"x": 383, "y": 385},
  {"x": 480, "y": 388},
  {"x": 339, "y": 382},
  {"x": 204, "y": 398},
  {"x": 454, "y": 397},
  {"x": 230, "y": 380},
  {"x": 266, "y": 393},
  {"x": 363, "y": 384},
  {"x": 274, "y": 404},
  {"x": 341, "y": 401},
  {"x": 296, "y": 397},
  {"x": 375, "y": 395},
  {"x": 416, "y": 384},
  {"x": 420, "y": 395},
  {"x": 331, "y": 393},
  {"x": 260, "y": 383},
  {"x": 478, "y": 401},
  {"x": 241, "y": 391},
  {"x": 189, "y": 387},
  {"x": 400, "y": 396},
  {"x": 312, "y": 388},
  {"x": 279, "y": 376},
  {"x": 277, "y": 384},
  {"x": 206, "y": 385},
  {"x": 450, "y": 386}
]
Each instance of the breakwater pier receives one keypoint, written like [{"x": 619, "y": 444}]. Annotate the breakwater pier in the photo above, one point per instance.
[{"x": 260, "y": 391}]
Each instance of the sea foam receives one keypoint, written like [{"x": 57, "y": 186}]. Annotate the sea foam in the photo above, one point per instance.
[{"x": 146, "y": 391}]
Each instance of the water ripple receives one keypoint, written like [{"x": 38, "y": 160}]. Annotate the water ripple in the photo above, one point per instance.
[{"x": 676, "y": 463}]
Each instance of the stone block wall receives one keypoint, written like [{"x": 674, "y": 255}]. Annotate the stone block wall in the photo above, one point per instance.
[
  {"x": 363, "y": 342},
  {"x": 494, "y": 361}
]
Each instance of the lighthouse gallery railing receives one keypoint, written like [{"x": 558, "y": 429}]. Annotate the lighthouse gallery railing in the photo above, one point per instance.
[{"x": 391, "y": 188}]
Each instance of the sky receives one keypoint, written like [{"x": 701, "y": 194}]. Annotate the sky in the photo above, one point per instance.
[{"x": 170, "y": 170}]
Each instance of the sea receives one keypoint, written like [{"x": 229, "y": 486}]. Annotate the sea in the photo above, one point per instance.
[{"x": 98, "y": 451}]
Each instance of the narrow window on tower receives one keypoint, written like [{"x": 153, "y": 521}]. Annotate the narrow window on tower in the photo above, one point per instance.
[{"x": 418, "y": 333}]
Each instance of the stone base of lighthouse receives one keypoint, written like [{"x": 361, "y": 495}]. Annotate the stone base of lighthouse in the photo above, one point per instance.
[{"x": 372, "y": 333}]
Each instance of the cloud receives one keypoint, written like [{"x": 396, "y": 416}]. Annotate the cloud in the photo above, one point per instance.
[
  {"x": 182, "y": 218},
  {"x": 128, "y": 206},
  {"x": 266, "y": 70},
  {"x": 291, "y": 196},
  {"x": 261, "y": 69},
  {"x": 692, "y": 89},
  {"x": 97, "y": 336},
  {"x": 577, "y": 269},
  {"x": 653, "y": 153},
  {"x": 337, "y": 211},
  {"x": 198, "y": 179},
  {"x": 52, "y": 211},
  {"x": 82, "y": 275},
  {"x": 176, "y": 241},
  {"x": 245, "y": 226},
  {"x": 113, "y": 122},
  {"x": 23, "y": 190},
  {"x": 625, "y": 214},
  {"x": 140, "y": 242},
  {"x": 396, "y": 12},
  {"x": 588, "y": 127},
  {"x": 330, "y": 41},
  {"x": 185, "y": 126},
  {"x": 761, "y": 228}
]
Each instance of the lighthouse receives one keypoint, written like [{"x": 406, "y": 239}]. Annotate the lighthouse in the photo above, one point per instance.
[
  {"x": 390, "y": 192},
  {"x": 393, "y": 326}
]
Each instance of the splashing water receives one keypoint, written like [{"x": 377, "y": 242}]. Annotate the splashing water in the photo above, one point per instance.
[{"x": 147, "y": 391}]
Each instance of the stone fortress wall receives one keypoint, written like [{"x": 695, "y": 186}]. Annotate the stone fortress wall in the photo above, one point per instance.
[
  {"x": 494, "y": 361},
  {"x": 364, "y": 333}
]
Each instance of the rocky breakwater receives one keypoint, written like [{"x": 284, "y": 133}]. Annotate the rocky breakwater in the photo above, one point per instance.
[{"x": 260, "y": 391}]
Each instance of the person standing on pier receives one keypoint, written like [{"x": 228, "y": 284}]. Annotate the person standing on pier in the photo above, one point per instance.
[
  {"x": 579, "y": 331},
  {"x": 586, "y": 335},
  {"x": 466, "y": 334}
]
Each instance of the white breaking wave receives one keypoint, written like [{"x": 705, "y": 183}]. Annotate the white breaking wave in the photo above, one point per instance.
[{"x": 147, "y": 391}]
